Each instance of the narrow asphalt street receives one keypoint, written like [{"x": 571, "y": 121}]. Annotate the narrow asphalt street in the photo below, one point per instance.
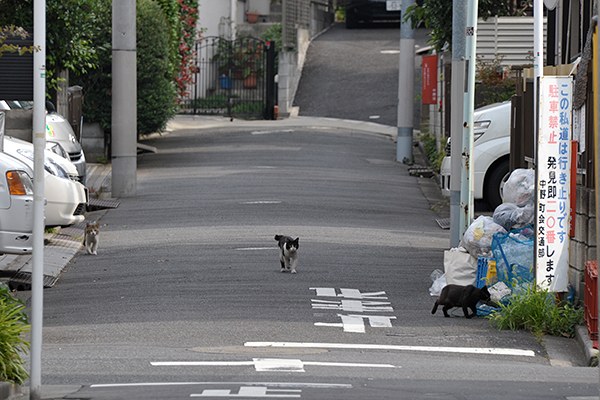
[
  {"x": 185, "y": 296},
  {"x": 186, "y": 299}
]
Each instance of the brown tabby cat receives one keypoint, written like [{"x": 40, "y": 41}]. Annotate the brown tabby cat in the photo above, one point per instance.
[{"x": 90, "y": 237}]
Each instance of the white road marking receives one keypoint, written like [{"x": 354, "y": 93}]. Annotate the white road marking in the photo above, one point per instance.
[
  {"x": 348, "y": 293},
  {"x": 268, "y": 364},
  {"x": 390, "y": 51},
  {"x": 255, "y": 248},
  {"x": 251, "y": 391},
  {"x": 273, "y": 131},
  {"x": 374, "y": 116},
  {"x": 433, "y": 349},
  {"x": 262, "y": 202},
  {"x": 352, "y": 305},
  {"x": 270, "y": 384}
]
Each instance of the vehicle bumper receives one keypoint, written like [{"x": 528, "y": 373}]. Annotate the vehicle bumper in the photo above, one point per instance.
[
  {"x": 445, "y": 172},
  {"x": 66, "y": 201},
  {"x": 78, "y": 159},
  {"x": 372, "y": 11}
]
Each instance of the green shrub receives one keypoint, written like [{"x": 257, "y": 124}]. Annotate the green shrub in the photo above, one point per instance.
[
  {"x": 13, "y": 324},
  {"x": 156, "y": 92},
  {"x": 537, "y": 311},
  {"x": 434, "y": 156}
]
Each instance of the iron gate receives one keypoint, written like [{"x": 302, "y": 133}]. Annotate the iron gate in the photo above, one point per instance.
[{"x": 233, "y": 78}]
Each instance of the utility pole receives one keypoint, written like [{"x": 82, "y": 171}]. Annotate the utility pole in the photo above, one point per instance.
[
  {"x": 124, "y": 99},
  {"x": 39, "y": 145},
  {"x": 406, "y": 88},
  {"x": 459, "y": 15}
]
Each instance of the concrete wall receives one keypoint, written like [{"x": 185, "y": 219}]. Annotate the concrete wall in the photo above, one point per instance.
[{"x": 290, "y": 70}]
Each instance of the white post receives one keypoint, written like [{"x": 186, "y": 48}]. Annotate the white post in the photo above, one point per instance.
[
  {"x": 233, "y": 19},
  {"x": 467, "y": 175},
  {"x": 39, "y": 144}
]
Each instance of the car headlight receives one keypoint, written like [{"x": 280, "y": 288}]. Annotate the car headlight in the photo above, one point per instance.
[
  {"x": 56, "y": 148},
  {"x": 479, "y": 128},
  {"x": 49, "y": 165}
]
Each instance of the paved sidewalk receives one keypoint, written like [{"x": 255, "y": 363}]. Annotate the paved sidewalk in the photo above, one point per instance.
[{"x": 61, "y": 245}]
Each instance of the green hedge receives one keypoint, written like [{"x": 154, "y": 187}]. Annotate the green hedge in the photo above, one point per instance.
[
  {"x": 156, "y": 92},
  {"x": 13, "y": 325}
]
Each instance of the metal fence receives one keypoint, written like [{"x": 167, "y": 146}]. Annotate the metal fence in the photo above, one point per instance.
[
  {"x": 313, "y": 15},
  {"x": 231, "y": 78}
]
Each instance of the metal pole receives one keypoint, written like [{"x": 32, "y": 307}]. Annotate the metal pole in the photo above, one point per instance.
[
  {"x": 233, "y": 18},
  {"x": 406, "y": 86},
  {"x": 467, "y": 175},
  {"x": 459, "y": 12},
  {"x": 39, "y": 144},
  {"x": 538, "y": 61},
  {"x": 124, "y": 99},
  {"x": 596, "y": 78}
]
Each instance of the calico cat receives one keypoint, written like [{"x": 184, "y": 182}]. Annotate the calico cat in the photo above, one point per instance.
[
  {"x": 90, "y": 237},
  {"x": 461, "y": 296},
  {"x": 289, "y": 253}
]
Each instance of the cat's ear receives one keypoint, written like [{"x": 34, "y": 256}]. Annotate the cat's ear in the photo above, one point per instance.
[{"x": 297, "y": 240}]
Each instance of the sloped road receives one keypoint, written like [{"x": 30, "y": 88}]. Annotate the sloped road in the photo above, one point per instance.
[{"x": 185, "y": 298}]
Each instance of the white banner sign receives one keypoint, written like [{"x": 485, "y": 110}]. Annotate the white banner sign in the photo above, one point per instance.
[{"x": 553, "y": 183}]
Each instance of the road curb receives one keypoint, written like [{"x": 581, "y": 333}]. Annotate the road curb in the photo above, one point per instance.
[
  {"x": 583, "y": 339},
  {"x": 9, "y": 391}
]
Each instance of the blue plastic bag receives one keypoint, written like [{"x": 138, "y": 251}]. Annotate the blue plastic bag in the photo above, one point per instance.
[{"x": 514, "y": 253}]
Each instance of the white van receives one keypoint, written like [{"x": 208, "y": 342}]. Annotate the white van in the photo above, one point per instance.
[
  {"x": 491, "y": 154},
  {"x": 16, "y": 206}
]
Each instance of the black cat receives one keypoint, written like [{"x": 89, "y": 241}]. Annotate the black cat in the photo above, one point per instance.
[{"x": 461, "y": 296}]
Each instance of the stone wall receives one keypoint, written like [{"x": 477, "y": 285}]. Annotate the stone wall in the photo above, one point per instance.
[{"x": 583, "y": 244}]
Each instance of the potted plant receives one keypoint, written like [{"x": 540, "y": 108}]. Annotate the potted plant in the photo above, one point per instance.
[{"x": 252, "y": 17}]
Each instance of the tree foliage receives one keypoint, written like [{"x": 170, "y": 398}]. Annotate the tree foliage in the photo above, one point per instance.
[
  {"x": 71, "y": 28},
  {"x": 11, "y": 31},
  {"x": 436, "y": 15}
]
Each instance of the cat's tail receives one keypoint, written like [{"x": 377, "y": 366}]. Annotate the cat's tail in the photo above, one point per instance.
[
  {"x": 435, "y": 306},
  {"x": 278, "y": 237}
]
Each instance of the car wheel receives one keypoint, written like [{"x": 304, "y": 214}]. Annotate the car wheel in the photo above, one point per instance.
[{"x": 495, "y": 184}]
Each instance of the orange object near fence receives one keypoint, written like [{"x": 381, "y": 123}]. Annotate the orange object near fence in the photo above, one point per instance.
[{"x": 590, "y": 301}]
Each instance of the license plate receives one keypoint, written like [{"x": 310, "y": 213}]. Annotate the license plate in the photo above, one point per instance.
[{"x": 393, "y": 5}]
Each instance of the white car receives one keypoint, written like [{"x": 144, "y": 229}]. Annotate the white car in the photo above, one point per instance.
[
  {"x": 59, "y": 136},
  {"x": 62, "y": 141},
  {"x": 16, "y": 206},
  {"x": 491, "y": 154},
  {"x": 66, "y": 197}
]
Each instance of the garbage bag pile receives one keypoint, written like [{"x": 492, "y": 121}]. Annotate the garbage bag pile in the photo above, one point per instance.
[{"x": 496, "y": 251}]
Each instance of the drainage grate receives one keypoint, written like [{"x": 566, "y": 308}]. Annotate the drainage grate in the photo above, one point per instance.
[
  {"x": 444, "y": 223},
  {"x": 424, "y": 172},
  {"x": 100, "y": 204},
  {"x": 22, "y": 281}
]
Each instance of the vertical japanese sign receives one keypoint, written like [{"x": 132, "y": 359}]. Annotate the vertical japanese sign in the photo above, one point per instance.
[
  {"x": 553, "y": 183},
  {"x": 429, "y": 79}
]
